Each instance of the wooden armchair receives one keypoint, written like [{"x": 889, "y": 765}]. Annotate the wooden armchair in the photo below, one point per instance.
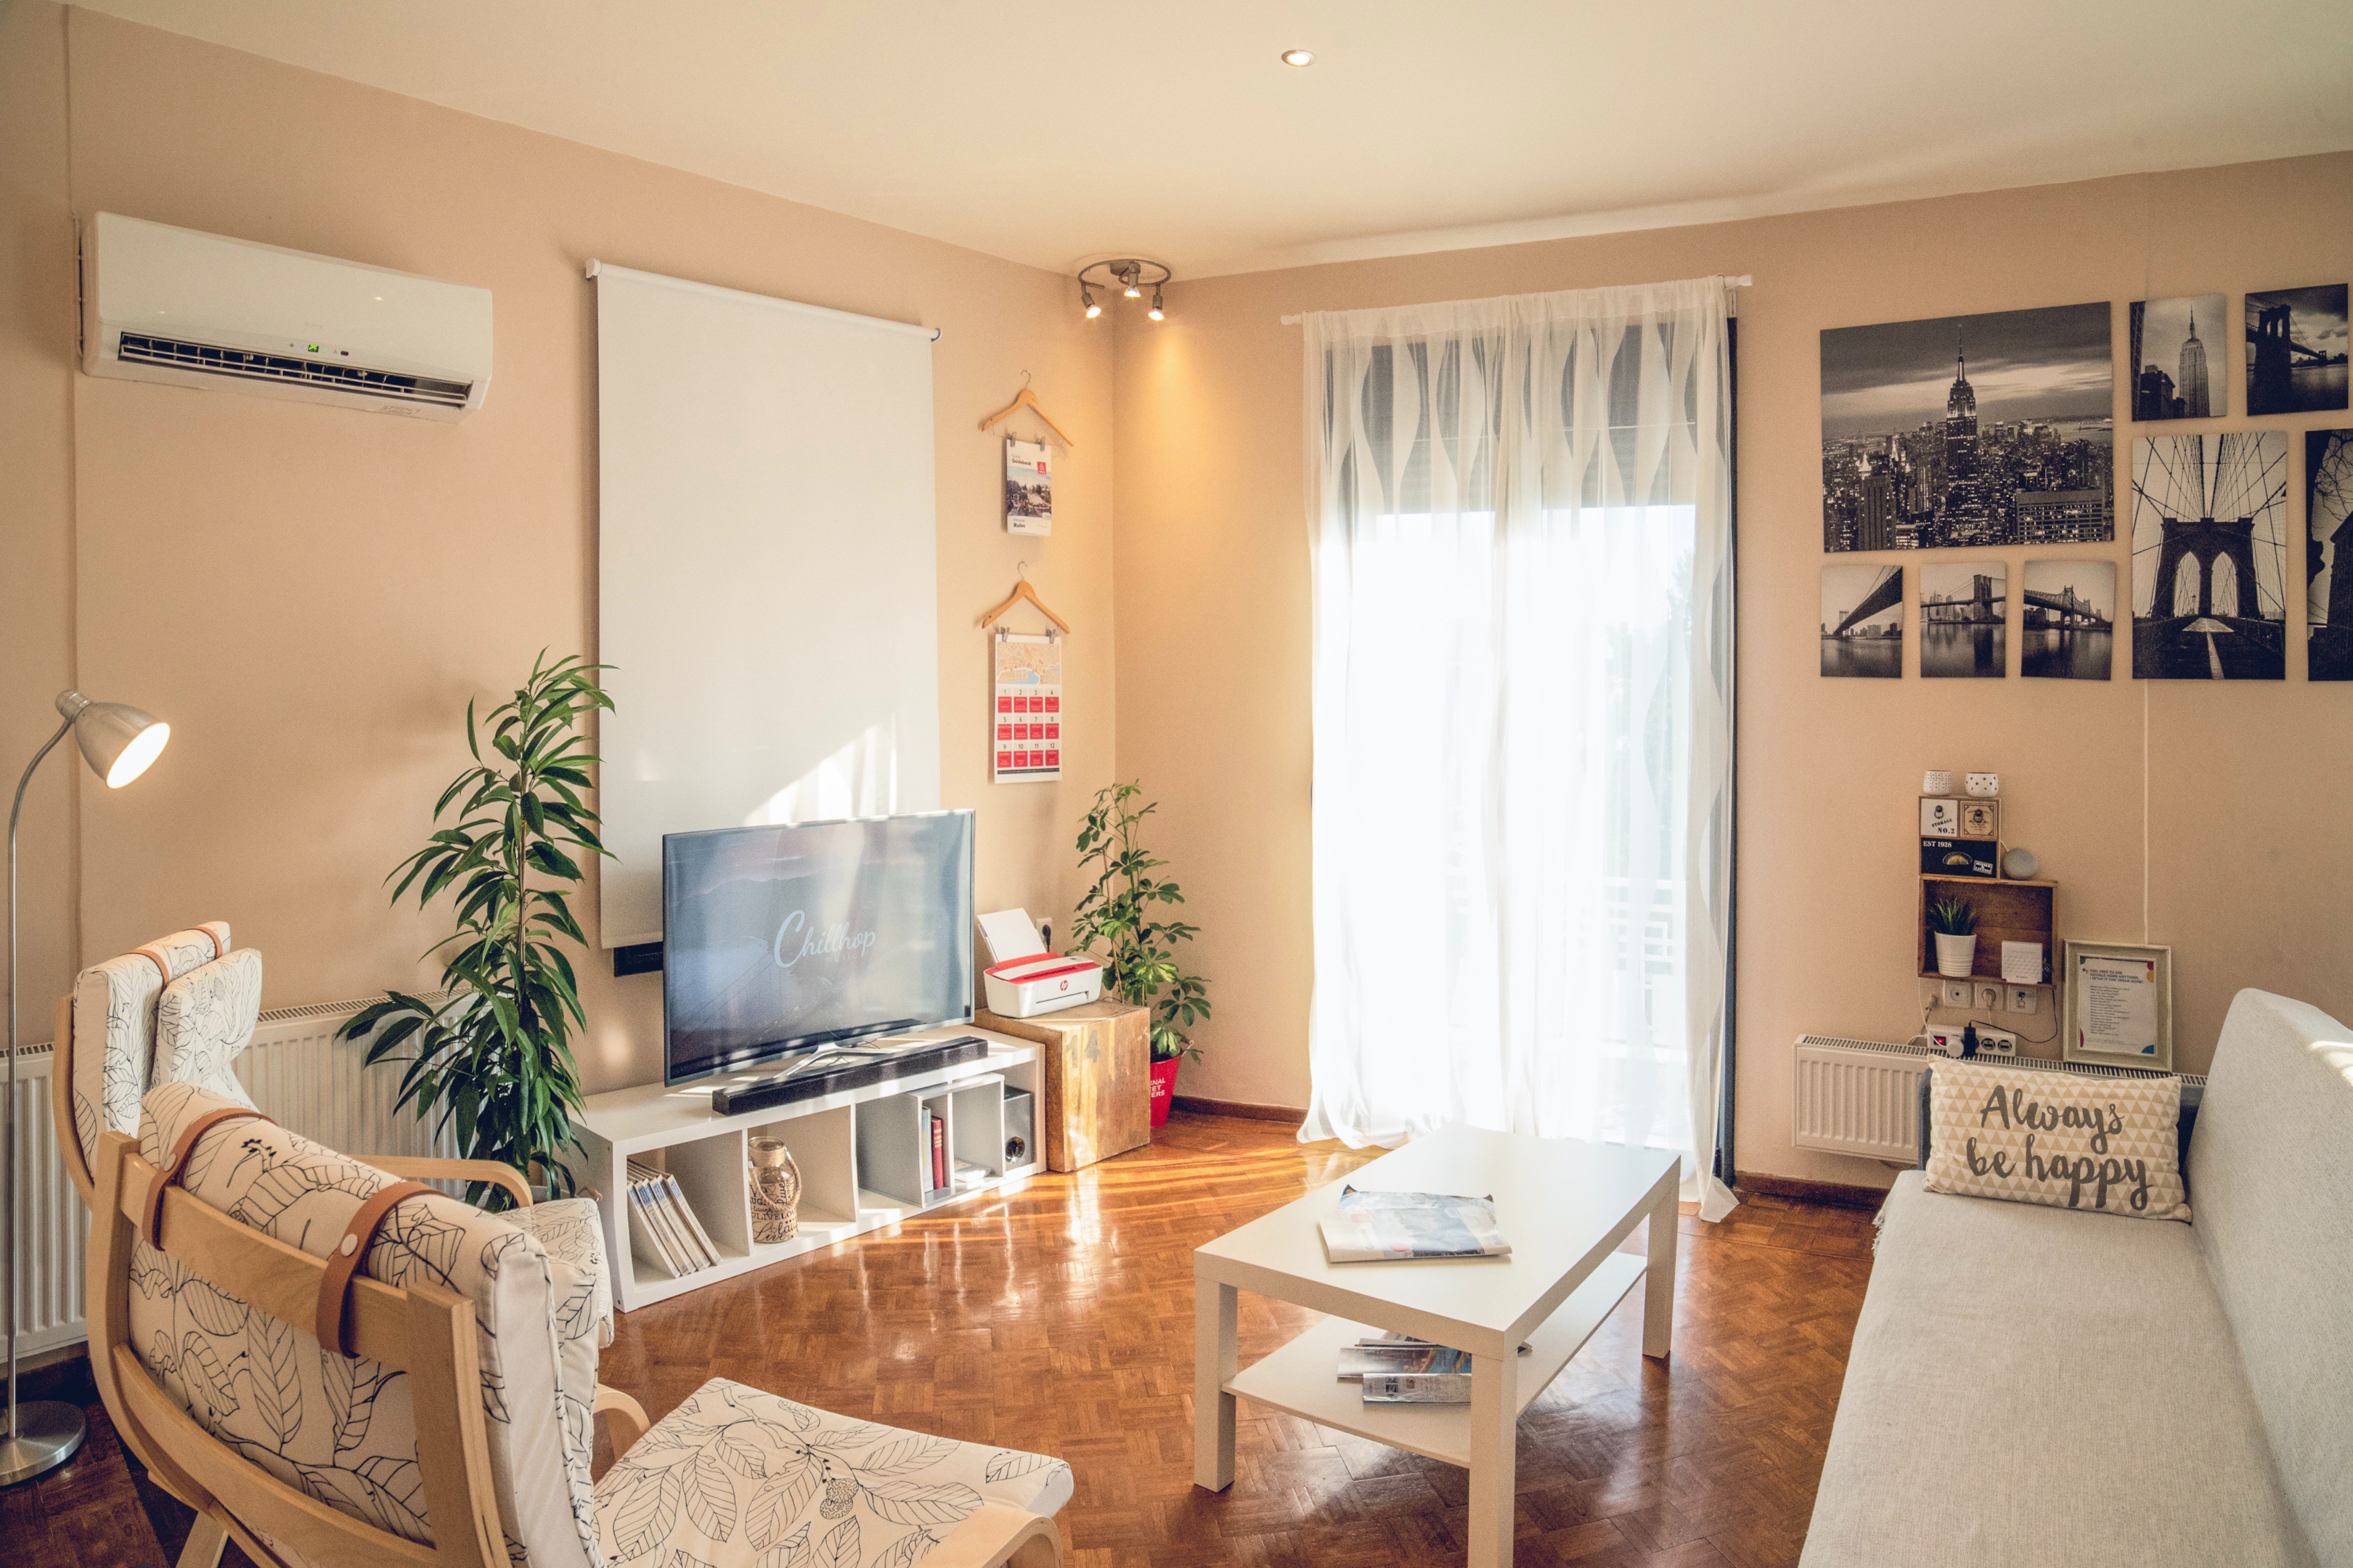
[{"x": 338, "y": 1376}]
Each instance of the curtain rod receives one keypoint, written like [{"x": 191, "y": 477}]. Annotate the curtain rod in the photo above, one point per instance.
[{"x": 1744, "y": 281}]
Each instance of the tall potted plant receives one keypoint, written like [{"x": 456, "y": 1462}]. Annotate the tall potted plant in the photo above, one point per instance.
[
  {"x": 1116, "y": 923},
  {"x": 493, "y": 1059}
]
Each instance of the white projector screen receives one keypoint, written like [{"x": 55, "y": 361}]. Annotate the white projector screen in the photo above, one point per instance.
[{"x": 766, "y": 576}]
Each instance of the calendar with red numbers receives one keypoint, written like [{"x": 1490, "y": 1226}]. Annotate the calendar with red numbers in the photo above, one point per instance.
[{"x": 1028, "y": 723}]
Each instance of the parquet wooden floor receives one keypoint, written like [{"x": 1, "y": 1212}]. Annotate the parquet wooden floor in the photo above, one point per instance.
[{"x": 1060, "y": 1318}]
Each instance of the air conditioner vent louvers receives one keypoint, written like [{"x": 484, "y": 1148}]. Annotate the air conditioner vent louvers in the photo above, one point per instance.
[{"x": 249, "y": 365}]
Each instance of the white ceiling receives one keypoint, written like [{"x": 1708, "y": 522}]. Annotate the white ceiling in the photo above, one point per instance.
[{"x": 1051, "y": 134}]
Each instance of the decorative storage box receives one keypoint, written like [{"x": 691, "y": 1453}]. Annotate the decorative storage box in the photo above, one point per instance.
[
  {"x": 1097, "y": 1079},
  {"x": 1959, "y": 858}
]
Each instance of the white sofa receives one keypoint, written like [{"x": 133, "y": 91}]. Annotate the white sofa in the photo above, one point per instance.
[{"x": 2031, "y": 1384}]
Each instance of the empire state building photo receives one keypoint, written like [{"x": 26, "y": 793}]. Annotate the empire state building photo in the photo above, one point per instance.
[
  {"x": 1970, "y": 431},
  {"x": 2173, "y": 376}
]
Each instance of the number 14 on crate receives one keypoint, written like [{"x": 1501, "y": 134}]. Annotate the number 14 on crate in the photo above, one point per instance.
[{"x": 1027, "y": 722}]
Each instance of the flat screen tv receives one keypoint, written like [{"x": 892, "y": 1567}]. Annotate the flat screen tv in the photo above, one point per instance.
[{"x": 781, "y": 940}]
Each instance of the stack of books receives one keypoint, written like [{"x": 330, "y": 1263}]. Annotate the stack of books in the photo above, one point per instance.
[
  {"x": 1374, "y": 1228},
  {"x": 664, "y": 1234}
]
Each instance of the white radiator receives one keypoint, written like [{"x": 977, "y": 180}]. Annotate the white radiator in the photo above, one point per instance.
[
  {"x": 1858, "y": 1097},
  {"x": 1862, "y": 1097},
  {"x": 299, "y": 1074}
]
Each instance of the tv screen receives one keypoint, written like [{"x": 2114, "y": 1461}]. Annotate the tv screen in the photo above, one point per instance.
[{"x": 784, "y": 939}]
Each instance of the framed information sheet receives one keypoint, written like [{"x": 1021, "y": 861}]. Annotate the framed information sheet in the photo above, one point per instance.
[{"x": 2119, "y": 1004}]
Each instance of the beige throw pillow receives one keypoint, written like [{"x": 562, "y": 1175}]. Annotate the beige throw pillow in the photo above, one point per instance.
[{"x": 2076, "y": 1142}]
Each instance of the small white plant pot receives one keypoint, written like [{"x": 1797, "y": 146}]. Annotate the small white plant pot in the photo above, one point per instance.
[{"x": 1956, "y": 955}]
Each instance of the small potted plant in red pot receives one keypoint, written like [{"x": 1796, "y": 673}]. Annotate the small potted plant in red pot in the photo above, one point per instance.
[{"x": 1115, "y": 924}]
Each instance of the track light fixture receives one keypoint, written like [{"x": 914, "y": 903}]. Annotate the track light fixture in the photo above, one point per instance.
[{"x": 1131, "y": 275}]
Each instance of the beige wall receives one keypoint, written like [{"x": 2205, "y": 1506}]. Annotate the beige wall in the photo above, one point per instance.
[
  {"x": 310, "y": 594},
  {"x": 2251, "y": 846}
]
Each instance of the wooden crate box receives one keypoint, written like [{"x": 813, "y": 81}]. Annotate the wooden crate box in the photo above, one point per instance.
[{"x": 1097, "y": 1071}]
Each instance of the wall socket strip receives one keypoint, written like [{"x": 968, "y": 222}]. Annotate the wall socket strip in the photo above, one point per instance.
[{"x": 1987, "y": 996}]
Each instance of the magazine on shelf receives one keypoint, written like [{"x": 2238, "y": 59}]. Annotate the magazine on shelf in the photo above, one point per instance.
[
  {"x": 1418, "y": 1388},
  {"x": 1360, "y": 1361},
  {"x": 1384, "y": 1227},
  {"x": 1401, "y": 1353}
]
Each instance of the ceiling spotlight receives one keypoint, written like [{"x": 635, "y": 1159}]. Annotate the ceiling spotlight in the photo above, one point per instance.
[
  {"x": 1301, "y": 58},
  {"x": 1129, "y": 275}
]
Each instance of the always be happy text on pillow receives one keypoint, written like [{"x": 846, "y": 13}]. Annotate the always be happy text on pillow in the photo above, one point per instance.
[{"x": 2105, "y": 1144}]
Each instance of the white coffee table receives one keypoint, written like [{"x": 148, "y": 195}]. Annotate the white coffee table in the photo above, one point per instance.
[{"x": 1563, "y": 1205}]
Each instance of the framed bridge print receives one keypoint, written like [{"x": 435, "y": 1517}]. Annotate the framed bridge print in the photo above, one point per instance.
[{"x": 2209, "y": 556}]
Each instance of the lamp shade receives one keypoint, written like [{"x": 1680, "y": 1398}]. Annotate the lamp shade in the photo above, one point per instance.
[{"x": 117, "y": 740}]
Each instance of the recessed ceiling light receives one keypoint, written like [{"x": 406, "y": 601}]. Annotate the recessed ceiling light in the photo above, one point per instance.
[{"x": 1299, "y": 56}]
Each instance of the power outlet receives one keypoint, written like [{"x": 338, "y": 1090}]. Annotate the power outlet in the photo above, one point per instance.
[
  {"x": 1956, "y": 994},
  {"x": 2018, "y": 999},
  {"x": 1992, "y": 1042},
  {"x": 1989, "y": 997}
]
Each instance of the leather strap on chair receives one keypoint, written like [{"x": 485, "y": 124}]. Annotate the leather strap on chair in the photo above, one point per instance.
[
  {"x": 151, "y": 1223},
  {"x": 335, "y": 1287}
]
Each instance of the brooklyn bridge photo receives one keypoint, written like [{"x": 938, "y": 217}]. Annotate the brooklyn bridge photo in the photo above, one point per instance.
[
  {"x": 2069, "y": 620},
  {"x": 1863, "y": 621},
  {"x": 2209, "y": 556},
  {"x": 2295, "y": 350}
]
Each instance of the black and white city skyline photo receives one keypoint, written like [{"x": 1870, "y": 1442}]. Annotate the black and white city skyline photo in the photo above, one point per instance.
[
  {"x": 2328, "y": 554},
  {"x": 1970, "y": 431},
  {"x": 1862, "y": 620},
  {"x": 2295, "y": 350},
  {"x": 2209, "y": 556},
  {"x": 2068, "y": 620},
  {"x": 1964, "y": 618},
  {"x": 2179, "y": 370}
]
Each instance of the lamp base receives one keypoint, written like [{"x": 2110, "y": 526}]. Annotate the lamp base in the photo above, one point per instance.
[{"x": 48, "y": 1435}]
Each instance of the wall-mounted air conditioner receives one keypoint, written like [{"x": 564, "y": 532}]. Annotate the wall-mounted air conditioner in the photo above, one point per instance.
[{"x": 187, "y": 309}]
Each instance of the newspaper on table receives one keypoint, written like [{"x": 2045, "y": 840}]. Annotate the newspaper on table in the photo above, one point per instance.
[{"x": 1379, "y": 1227}]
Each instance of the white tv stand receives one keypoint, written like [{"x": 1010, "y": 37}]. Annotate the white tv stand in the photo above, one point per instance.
[{"x": 861, "y": 1166}]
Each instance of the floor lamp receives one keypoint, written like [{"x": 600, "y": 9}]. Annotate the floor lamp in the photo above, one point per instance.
[{"x": 119, "y": 744}]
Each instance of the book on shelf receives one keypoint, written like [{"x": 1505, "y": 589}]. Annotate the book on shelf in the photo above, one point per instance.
[
  {"x": 663, "y": 1231},
  {"x": 646, "y": 1244},
  {"x": 1387, "y": 1226},
  {"x": 939, "y": 1145}
]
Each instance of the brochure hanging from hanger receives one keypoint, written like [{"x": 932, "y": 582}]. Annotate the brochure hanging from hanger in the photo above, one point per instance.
[
  {"x": 1029, "y": 487},
  {"x": 1028, "y": 747}
]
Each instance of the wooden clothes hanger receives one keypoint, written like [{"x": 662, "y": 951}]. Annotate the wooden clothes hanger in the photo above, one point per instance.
[
  {"x": 1025, "y": 399},
  {"x": 1022, "y": 590}
]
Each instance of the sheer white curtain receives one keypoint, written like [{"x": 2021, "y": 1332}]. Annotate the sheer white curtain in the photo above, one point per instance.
[{"x": 1521, "y": 518}]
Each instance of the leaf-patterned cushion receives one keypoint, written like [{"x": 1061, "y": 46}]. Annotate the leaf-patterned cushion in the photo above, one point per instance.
[
  {"x": 114, "y": 1027},
  {"x": 341, "y": 1429},
  {"x": 574, "y": 1233},
  {"x": 738, "y": 1478},
  {"x": 204, "y": 1020}
]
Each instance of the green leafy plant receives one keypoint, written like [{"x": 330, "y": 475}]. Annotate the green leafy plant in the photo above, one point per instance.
[
  {"x": 495, "y": 1058},
  {"x": 1953, "y": 916},
  {"x": 1114, "y": 922}
]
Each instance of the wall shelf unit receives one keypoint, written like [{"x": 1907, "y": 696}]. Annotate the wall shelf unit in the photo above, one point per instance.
[
  {"x": 858, "y": 1153},
  {"x": 2007, "y": 912}
]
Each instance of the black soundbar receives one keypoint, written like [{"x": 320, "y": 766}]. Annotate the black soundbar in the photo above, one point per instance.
[{"x": 835, "y": 1071}]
